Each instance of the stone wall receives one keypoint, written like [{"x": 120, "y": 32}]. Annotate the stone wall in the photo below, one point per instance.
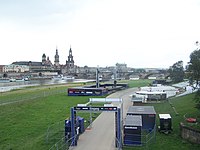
[{"x": 190, "y": 134}]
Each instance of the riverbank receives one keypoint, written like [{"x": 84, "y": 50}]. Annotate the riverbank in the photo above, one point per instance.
[{"x": 8, "y": 86}]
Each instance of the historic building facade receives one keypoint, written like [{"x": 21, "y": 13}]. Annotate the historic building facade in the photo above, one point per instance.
[
  {"x": 1, "y": 68},
  {"x": 47, "y": 66},
  {"x": 69, "y": 68},
  {"x": 70, "y": 61},
  {"x": 56, "y": 59},
  {"x": 15, "y": 68}
]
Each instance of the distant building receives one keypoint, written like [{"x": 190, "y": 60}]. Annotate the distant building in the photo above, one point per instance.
[
  {"x": 152, "y": 70},
  {"x": 121, "y": 67},
  {"x": 134, "y": 77},
  {"x": 47, "y": 68},
  {"x": 15, "y": 68},
  {"x": 152, "y": 77},
  {"x": 1, "y": 68},
  {"x": 45, "y": 65}
]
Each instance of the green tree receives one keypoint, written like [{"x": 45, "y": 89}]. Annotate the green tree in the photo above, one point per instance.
[
  {"x": 177, "y": 72},
  {"x": 194, "y": 72},
  {"x": 194, "y": 66},
  {"x": 197, "y": 99}
]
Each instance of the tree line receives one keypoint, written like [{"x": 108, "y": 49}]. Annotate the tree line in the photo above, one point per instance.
[{"x": 191, "y": 72}]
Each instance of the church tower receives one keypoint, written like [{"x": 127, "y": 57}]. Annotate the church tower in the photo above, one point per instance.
[
  {"x": 70, "y": 61},
  {"x": 56, "y": 62},
  {"x": 43, "y": 59}
]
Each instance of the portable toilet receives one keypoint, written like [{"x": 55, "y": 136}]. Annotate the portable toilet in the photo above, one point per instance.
[
  {"x": 132, "y": 130},
  {"x": 165, "y": 123},
  {"x": 148, "y": 115}
]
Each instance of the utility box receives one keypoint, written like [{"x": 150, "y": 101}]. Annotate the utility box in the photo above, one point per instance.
[
  {"x": 165, "y": 123},
  {"x": 80, "y": 121},
  {"x": 67, "y": 125},
  {"x": 67, "y": 130},
  {"x": 148, "y": 116},
  {"x": 132, "y": 130}
]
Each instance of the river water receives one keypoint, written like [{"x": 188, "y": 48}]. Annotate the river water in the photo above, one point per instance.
[{"x": 7, "y": 85}]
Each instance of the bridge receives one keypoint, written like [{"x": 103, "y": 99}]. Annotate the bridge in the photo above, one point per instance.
[{"x": 120, "y": 75}]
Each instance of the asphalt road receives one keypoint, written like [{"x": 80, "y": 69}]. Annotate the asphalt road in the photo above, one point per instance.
[{"x": 102, "y": 134}]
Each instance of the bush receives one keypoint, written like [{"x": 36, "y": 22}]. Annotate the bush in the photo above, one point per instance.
[{"x": 197, "y": 99}]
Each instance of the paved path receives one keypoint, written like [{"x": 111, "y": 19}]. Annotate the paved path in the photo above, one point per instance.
[{"x": 102, "y": 134}]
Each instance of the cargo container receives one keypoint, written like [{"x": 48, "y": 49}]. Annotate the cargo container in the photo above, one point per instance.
[
  {"x": 132, "y": 130},
  {"x": 148, "y": 115}
]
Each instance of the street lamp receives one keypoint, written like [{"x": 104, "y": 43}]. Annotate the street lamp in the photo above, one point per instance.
[{"x": 197, "y": 44}]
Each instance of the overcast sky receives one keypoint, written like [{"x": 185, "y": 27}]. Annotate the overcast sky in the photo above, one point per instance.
[{"x": 140, "y": 33}]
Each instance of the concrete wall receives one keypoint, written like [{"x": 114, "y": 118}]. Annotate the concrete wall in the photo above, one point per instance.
[{"x": 190, "y": 134}]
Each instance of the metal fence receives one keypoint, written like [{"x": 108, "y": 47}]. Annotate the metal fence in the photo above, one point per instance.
[
  {"x": 55, "y": 136},
  {"x": 60, "y": 143},
  {"x": 55, "y": 132},
  {"x": 63, "y": 144},
  {"x": 145, "y": 139}
]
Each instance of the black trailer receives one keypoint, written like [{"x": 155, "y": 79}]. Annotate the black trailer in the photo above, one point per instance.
[
  {"x": 132, "y": 130},
  {"x": 148, "y": 116}
]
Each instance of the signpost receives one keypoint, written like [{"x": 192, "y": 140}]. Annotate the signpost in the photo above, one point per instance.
[
  {"x": 88, "y": 108},
  {"x": 95, "y": 109}
]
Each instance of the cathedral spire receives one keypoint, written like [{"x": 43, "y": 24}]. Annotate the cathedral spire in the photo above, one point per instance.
[
  {"x": 56, "y": 62},
  {"x": 43, "y": 58},
  {"x": 70, "y": 61},
  {"x": 70, "y": 51}
]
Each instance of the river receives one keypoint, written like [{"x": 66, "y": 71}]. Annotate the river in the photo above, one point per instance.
[{"x": 7, "y": 85}]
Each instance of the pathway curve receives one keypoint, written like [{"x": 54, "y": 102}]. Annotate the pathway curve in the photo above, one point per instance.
[{"x": 102, "y": 134}]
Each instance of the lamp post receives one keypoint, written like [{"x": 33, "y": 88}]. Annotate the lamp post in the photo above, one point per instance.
[
  {"x": 97, "y": 77},
  {"x": 198, "y": 45}
]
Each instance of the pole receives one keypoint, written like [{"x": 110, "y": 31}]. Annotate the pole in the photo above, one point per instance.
[
  {"x": 119, "y": 140},
  {"x": 73, "y": 134},
  {"x": 97, "y": 78}
]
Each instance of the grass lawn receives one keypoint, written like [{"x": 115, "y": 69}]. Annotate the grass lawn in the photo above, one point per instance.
[
  {"x": 24, "y": 124},
  {"x": 182, "y": 105},
  {"x": 137, "y": 83}
]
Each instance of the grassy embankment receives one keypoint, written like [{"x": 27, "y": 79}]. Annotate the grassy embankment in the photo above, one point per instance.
[
  {"x": 24, "y": 124},
  {"x": 182, "y": 105}
]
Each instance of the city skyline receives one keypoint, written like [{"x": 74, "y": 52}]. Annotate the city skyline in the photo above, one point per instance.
[{"x": 141, "y": 34}]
